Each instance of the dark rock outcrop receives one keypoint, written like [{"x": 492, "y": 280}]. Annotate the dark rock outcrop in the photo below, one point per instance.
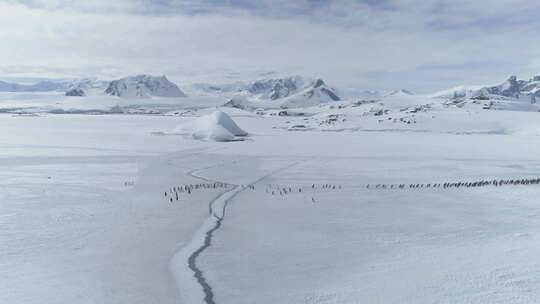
[{"x": 76, "y": 92}]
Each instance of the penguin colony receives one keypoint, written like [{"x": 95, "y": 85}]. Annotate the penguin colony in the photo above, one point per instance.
[
  {"x": 455, "y": 185},
  {"x": 175, "y": 193}
]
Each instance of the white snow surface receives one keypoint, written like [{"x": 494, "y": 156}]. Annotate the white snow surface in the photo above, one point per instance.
[{"x": 84, "y": 218}]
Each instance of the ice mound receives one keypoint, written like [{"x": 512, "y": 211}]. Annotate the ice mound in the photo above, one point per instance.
[{"x": 217, "y": 126}]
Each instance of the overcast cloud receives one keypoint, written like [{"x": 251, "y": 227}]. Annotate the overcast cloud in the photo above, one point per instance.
[{"x": 422, "y": 45}]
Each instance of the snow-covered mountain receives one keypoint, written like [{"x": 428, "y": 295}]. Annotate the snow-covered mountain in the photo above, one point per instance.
[
  {"x": 274, "y": 89},
  {"x": 284, "y": 92},
  {"x": 531, "y": 87},
  {"x": 315, "y": 93},
  {"x": 266, "y": 88},
  {"x": 510, "y": 88},
  {"x": 271, "y": 92},
  {"x": 57, "y": 85},
  {"x": 143, "y": 86}
]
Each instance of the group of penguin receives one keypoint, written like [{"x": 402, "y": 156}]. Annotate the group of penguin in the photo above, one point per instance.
[
  {"x": 281, "y": 190},
  {"x": 481, "y": 183},
  {"x": 274, "y": 189},
  {"x": 174, "y": 193}
]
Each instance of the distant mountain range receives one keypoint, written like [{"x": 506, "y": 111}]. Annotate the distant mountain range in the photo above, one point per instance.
[
  {"x": 266, "y": 88},
  {"x": 140, "y": 86},
  {"x": 43, "y": 86},
  {"x": 294, "y": 90},
  {"x": 510, "y": 88},
  {"x": 285, "y": 92}
]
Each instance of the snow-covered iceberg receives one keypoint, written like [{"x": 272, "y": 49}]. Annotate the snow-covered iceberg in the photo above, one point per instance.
[{"x": 217, "y": 126}]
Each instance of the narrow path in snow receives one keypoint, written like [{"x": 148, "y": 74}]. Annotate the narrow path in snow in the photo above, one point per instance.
[
  {"x": 221, "y": 201},
  {"x": 202, "y": 240}
]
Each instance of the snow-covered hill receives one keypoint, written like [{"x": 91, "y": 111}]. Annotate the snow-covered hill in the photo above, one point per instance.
[{"x": 143, "y": 86}]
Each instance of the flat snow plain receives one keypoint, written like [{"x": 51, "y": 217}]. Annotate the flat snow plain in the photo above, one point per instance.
[{"x": 83, "y": 217}]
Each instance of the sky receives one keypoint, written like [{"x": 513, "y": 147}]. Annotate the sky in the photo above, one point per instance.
[{"x": 420, "y": 45}]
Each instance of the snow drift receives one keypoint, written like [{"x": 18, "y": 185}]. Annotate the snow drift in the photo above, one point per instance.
[{"x": 217, "y": 126}]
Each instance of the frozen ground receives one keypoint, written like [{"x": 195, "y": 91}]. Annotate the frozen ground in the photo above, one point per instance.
[{"x": 84, "y": 218}]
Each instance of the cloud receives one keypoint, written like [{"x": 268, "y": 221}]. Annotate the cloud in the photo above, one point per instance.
[{"x": 423, "y": 45}]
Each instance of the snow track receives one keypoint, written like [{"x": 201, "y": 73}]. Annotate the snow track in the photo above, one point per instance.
[
  {"x": 199, "y": 290},
  {"x": 203, "y": 239}
]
